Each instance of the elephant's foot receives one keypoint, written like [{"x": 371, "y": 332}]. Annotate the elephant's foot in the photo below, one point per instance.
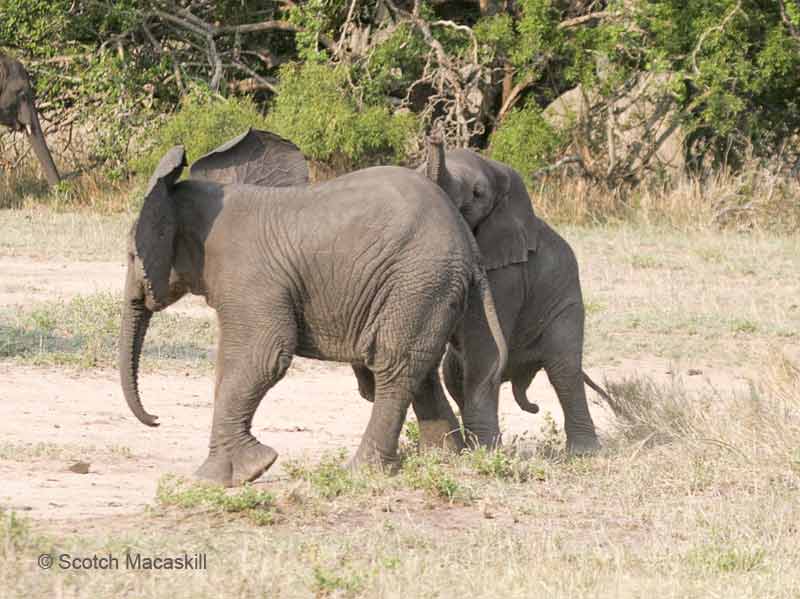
[
  {"x": 489, "y": 440},
  {"x": 581, "y": 445},
  {"x": 250, "y": 462},
  {"x": 216, "y": 469},
  {"x": 439, "y": 434},
  {"x": 369, "y": 456}
]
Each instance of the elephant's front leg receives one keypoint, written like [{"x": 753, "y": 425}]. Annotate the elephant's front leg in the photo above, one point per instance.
[
  {"x": 479, "y": 353},
  {"x": 217, "y": 467},
  {"x": 243, "y": 377},
  {"x": 479, "y": 398}
]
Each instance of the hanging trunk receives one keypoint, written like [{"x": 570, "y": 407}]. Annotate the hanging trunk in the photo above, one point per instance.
[
  {"x": 135, "y": 318},
  {"x": 36, "y": 138}
]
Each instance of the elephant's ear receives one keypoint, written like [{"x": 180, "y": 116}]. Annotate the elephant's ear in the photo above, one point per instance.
[
  {"x": 255, "y": 157},
  {"x": 511, "y": 230},
  {"x": 157, "y": 224}
]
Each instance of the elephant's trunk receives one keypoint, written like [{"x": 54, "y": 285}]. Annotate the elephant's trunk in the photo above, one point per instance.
[
  {"x": 436, "y": 169},
  {"x": 40, "y": 148},
  {"x": 135, "y": 318}
]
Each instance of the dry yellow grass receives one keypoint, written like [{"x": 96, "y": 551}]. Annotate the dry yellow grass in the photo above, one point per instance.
[
  {"x": 87, "y": 189},
  {"x": 752, "y": 199},
  {"x": 695, "y": 495}
]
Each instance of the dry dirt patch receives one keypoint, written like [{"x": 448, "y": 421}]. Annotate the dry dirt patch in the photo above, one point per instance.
[{"x": 315, "y": 409}]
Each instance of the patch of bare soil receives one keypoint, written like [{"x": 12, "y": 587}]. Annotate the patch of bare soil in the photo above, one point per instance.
[
  {"x": 81, "y": 416},
  {"x": 24, "y": 280}
]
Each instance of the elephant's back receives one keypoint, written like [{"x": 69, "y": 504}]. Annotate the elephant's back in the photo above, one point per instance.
[{"x": 397, "y": 204}]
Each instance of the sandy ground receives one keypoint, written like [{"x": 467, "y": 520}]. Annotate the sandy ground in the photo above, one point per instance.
[{"x": 314, "y": 409}]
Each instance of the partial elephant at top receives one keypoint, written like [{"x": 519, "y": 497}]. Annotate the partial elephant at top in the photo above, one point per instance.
[{"x": 18, "y": 112}]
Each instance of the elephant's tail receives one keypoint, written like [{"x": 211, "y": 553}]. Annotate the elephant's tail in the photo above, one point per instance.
[
  {"x": 600, "y": 391},
  {"x": 494, "y": 323}
]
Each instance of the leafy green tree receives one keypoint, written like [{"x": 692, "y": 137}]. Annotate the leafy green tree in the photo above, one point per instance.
[{"x": 316, "y": 109}]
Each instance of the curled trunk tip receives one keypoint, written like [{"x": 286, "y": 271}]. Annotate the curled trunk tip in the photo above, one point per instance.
[
  {"x": 436, "y": 169},
  {"x": 135, "y": 320}
]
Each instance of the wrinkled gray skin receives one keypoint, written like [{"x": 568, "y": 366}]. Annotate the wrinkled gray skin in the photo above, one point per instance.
[
  {"x": 18, "y": 112},
  {"x": 534, "y": 279},
  {"x": 373, "y": 268}
]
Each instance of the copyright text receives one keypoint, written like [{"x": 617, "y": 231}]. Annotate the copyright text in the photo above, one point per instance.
[{"x": 128, "y": 561}]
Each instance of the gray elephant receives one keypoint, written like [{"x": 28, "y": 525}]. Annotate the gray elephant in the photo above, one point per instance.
[
  {"x": 534, "y": 279},
  {"x": 374, "y": 268},
  {"x": 18, "y": 111}
]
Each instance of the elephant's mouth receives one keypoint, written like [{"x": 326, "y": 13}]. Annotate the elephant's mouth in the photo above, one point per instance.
[
  {"x": 9, "y": 119},
  {"x": 15, "y": 125}
]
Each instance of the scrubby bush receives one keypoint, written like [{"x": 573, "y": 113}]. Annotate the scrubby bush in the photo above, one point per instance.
[
  {"x": 356, "y": 84},
  {"x": 203, "y": 122},
  {"x": 525, "y": 140},
  {"x": 316, "y": 111}
]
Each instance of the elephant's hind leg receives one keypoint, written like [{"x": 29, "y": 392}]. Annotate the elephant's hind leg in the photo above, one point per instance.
[
  {"x": 244, "y": 377},
  {"x": 396, "y": 384},
  {"x": 562, "y": 345},
  {"x": 379, "y": 443},
  {"x": 438, "y": 425}
]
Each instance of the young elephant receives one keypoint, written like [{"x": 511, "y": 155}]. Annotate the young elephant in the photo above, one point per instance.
[
  {"x": 534, "y": 278},
  {"x": 373, "y": 268}
]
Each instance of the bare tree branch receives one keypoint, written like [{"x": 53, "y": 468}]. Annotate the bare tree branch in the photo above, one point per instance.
[
  {"x": 793, "y": 30},
  {"x": 514, "y": 95},
  {"x": 707, "y": 32},
  {"x": 567, "y": 160},
  {"x": 591, "y": 17},
  {"x": 263, "y": 83},
  {"x": 159, "y": 47}
]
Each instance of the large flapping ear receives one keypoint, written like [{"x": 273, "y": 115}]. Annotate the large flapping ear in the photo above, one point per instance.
[
  {"x": 511, "y": 229},
  {"x": 157, "y": 225},
  {"x": 255, "y": 157}
]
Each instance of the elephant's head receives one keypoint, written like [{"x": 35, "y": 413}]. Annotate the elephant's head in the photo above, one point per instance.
[
  {"x": 165, "y": 254},
  {"x": 18, "y": 111},
  {"x": 492, "y": 199}
]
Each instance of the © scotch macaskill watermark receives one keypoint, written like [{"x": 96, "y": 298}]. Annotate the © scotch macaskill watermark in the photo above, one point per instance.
[{"x": 127, "y": 561}]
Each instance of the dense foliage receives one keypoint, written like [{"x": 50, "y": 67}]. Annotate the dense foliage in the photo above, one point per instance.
[
  {"x": 359, "y": 82},
  {"x": 314, "y": 110}
]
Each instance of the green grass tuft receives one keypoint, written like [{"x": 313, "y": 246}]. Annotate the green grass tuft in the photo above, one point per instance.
[
  {"x": 718, "y": 558},
  {"x": 84, "y": 332},
  {"x": 15, "y": 533},
  {"x": 503, "y": 465},
  {"x": 432, "y": 472},
  {"x": 330, "y": 478},
  {"x": 257, "y": 506}
]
